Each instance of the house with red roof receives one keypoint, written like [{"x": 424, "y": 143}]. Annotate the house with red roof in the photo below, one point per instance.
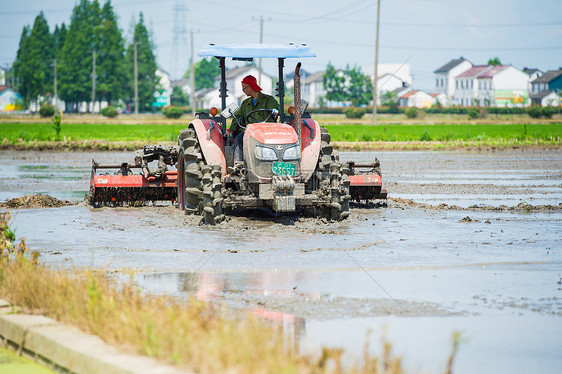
[
  {"x": 492, "y": 85},
  {"x": 418, "y": 99},
  {"x": 466, "y": 85},
  {"x": 439, "y": 98},
  {"x": 503, "y": 85}
]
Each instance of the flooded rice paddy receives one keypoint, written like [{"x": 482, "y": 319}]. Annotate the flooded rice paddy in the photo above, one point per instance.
[{"x": 487, "y": 264}]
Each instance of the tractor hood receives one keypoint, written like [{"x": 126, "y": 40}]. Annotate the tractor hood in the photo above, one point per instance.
[{"x": 272, "y": 133}]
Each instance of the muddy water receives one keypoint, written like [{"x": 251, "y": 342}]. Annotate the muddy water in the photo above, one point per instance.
[{"x": 412, "y": 273}]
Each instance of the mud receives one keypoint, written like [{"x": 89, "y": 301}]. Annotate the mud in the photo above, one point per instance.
[
  {"x": 521, "y": 207},
  {"x": 325, "y": 307},
  {"x": 467, "y": 241},
  {"x": 34, "y": 202}
]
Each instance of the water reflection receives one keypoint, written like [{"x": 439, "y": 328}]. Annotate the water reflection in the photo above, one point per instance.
[{"x": 237, "y": 290}]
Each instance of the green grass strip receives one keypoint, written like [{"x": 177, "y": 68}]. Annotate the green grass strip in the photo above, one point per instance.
[
  {"x": 427, "y": 132},
  {"x": 549, "y": 133},
  {"x": 82, "y": 131}
]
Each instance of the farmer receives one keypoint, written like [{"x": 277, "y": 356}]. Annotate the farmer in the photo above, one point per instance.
[{"x": 256, "y": 100}]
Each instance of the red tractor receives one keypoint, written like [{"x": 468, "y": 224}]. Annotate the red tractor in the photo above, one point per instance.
[{"x": 289, "y": 166}]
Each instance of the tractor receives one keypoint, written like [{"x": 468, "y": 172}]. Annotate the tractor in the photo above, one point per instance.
[{"x": 289, "y": 164}]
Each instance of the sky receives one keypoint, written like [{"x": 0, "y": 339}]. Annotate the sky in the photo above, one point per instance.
[{"x": 425, "y": 34}]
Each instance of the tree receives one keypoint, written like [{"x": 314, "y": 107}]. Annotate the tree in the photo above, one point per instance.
[
  {"x": 33, "y": 60},
  {"x": 59, "y": 36},
  {"x": 110, "y": 63},
  {"x": 179, "y": 98},
  {"x": 334, "y": 84},
  {"x": 75, "y": 65},
  {"x": 359, "y": 89},
  {"x": 388, "y": 98},
  {"x": 494, "y": 61},
  {"x": 21, "y": 68},
  {"x": 205, "y": 73},
  {"x": 146, "y": 66}
]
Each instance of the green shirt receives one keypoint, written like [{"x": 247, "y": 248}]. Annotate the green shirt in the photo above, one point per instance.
[{"x": 264, "y": 102}]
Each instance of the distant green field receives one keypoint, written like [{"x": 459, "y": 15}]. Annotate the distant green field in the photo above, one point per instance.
[
  {"x": 424, "y": 132},
  {"x": 550, "y": 133},
  {"x": 81, "y": 131}
]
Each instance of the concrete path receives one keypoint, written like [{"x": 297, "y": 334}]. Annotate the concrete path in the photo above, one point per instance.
[{"x": 68, "y": 349}]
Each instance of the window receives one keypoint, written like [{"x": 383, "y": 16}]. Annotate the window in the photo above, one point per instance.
[
  {"x": 471, "y": 84},
  {"x": 457, "y": 85},
  {"x": 437, "y": 82}
]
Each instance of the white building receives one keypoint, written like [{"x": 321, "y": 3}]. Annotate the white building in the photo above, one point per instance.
[
  {"x": 312, "y": 89},
  {"x": 546, "y": 89},
  {"x": 546, "y": 98},
  {"x": 400, "y": 71},
  {"x": 466, "y": 85},
  {"x": 234, "y": 83},
  {"x": 503, "y": 85},
  {"x": 418, "y": 99},
  {"x": 439, "y": 98},
  {"x": 446, "y": 74},
  {"x": 533, "y": 74},
  {"x": 390, "y": 82},
  {"x": 207, "y": 98}
]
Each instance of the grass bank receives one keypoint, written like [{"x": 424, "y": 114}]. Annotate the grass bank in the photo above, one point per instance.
[{"x": 197, "y": 336}]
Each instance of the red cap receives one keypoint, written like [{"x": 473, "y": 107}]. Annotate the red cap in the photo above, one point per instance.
[{"x": 251, "y": 81}]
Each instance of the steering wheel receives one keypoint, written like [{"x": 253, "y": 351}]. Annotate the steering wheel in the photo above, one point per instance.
[{"x": 251, "y": 119}]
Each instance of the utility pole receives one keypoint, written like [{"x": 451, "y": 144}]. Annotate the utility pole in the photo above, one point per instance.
[
  {"x": 93, "y": 81},
  {"x": 135, "y": 74},
  {"x": 56, "y": 95},
  {"x": 192, "y": 77},
  {"x": 261, "y": 19},
  {"x": 375, "y": 91},
  {"x": 179, "y": 44}
]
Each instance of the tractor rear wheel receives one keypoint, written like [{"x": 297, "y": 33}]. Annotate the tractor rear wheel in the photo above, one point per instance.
[
  {"x": 332, "y": 179},
  {"x": 199, "y": 184}
]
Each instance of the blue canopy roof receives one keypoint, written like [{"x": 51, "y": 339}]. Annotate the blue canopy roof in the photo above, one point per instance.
[{"x": 257, "y": 50}]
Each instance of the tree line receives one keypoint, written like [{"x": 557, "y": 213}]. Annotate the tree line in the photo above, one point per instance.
[
  {"x": 349, "y": 85},
  {"x": 92, "y": 43}
]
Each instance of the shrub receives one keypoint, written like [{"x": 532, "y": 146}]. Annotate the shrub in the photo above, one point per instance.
[
  {"x": 534, "y": 112},
  {"x": 473, "y": 113},
  {"x": 56, "y": 125},
  {"x": 47, "y": 110},
  {"x": 109, "y": 111},
  {"x": 411, "y": 112},
  {"x": 354, "y": 112},
  {"x": 548, "y": 111},
  {"x": 172, "y": 112},
  {"x": 425, "y": 137}
]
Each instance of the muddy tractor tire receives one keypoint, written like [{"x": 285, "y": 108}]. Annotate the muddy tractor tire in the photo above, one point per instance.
[
  {"x": 199, "y": 185},
  {"x": 331, "y": 179}
]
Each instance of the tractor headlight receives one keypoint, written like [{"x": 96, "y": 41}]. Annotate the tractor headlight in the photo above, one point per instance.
[
  {"x": 266, "y": 154},
  {"x": 292, "y": 153}
]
